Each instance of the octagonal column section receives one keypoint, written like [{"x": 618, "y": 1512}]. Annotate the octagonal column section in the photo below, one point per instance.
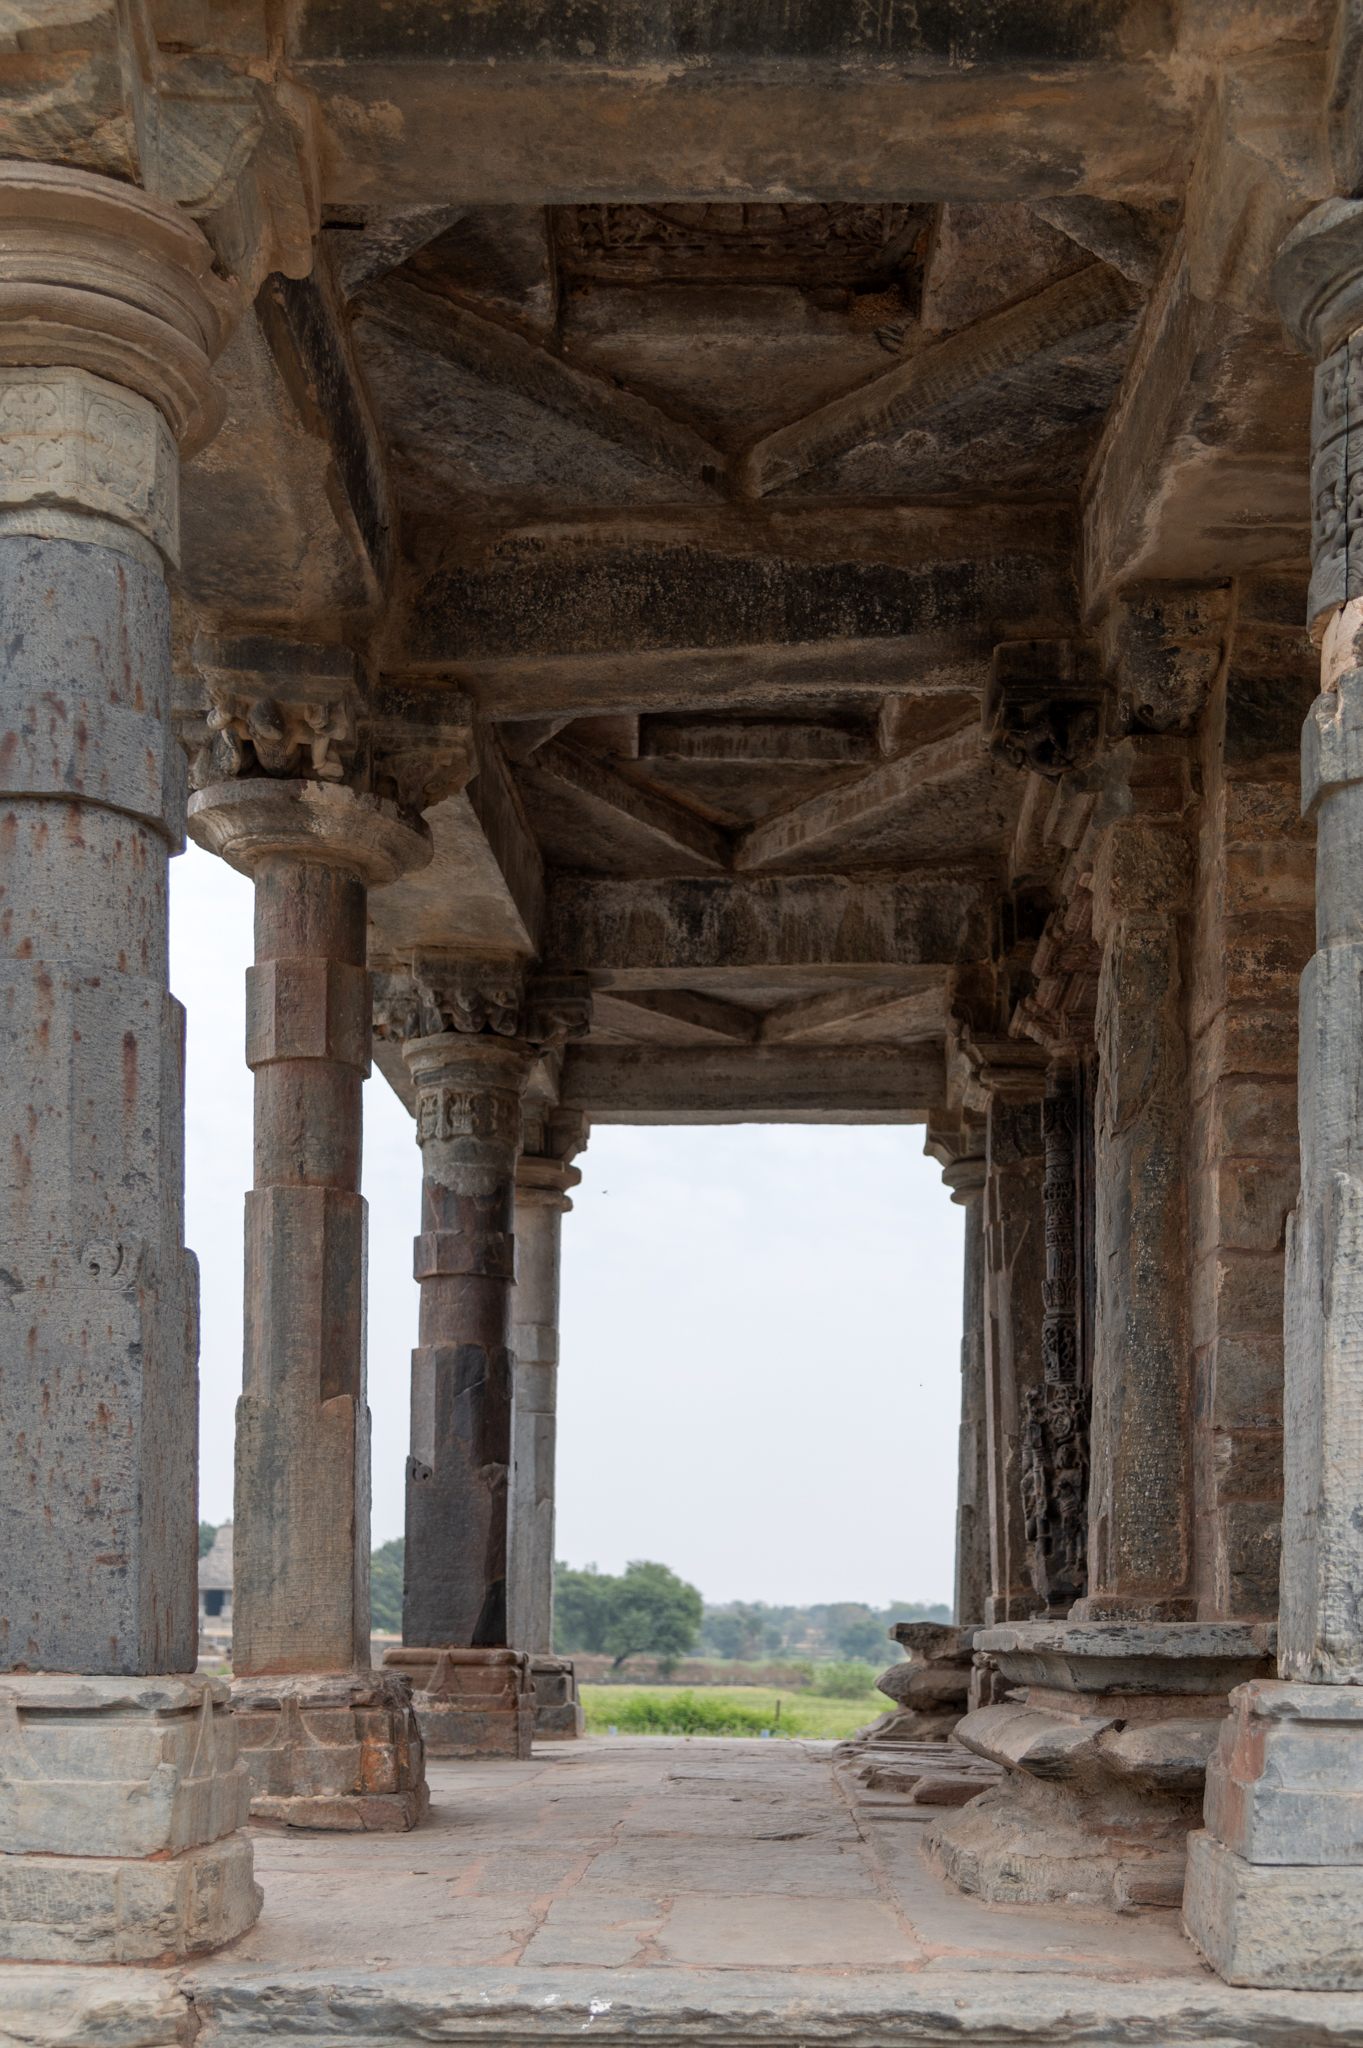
[
  {"x": 1275, "y": 1884},
  {"x": 118, "y": 1778},
  {"x": 329, "y": 1743},
  {"x": 475, "y": 1696}
]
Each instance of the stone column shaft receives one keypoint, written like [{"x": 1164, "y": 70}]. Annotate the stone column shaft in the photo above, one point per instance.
[
  {"x": 972, "y": 1495},
  {"x": 541, "y": 1204},
  {"x": 469, "y": 1088},
  {"x": 1015, "y": 1266}
]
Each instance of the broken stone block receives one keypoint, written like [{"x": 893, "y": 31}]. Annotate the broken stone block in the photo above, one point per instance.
[
  {"x": 120, "y": 1801},
  {"x": 333, "y": 1750},
  {"x": 470, "y": 1702}
]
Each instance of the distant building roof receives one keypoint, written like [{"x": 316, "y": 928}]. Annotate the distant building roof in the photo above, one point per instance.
[{"x": 215, "y": 1568}]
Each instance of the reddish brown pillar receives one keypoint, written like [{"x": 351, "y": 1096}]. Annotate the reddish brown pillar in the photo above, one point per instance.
[{"x": 329, "y": 1743}]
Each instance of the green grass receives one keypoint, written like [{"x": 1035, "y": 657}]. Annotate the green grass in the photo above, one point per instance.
[{"x": 723, "y": 1710}]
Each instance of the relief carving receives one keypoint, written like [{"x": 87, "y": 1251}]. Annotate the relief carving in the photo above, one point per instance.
[
  {"x": 829, "y": 243},
  {"x": 1043, "y": 706},
  {"x": 1055, "y": 1449},
  {"x": 71, "y": 440},
  {"x": 558, "y": 1009}
]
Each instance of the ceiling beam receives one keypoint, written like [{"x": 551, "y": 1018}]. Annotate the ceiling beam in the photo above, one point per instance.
[
  {"x": 422, "y": 319},
  {"x": 658, "y": 1012},
  {"x": 658, "y": 819},
  {"x": 834, "y": 813},
  {"x": 929, "y": 917},
  {"x": 627, "y": 1084},
  {"x": 940, "y": 376},
  {"x": 863, "y": 1013}
]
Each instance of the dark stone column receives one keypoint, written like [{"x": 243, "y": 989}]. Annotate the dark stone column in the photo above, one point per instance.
[
  {"x": 469, "y": 1088},
  {"x": 1015, "y": 1267},
  {"x": 972, "y": 1493}
]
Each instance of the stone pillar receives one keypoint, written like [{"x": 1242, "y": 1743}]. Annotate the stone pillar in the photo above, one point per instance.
[
  {"x": 1015, "y": 1269},
  {"x": 469, "y": 1088},
  {"x": 972, "y": 1489},
  {"x": 1140, "y": 1554},
  {"x": 1056, "y": 1430},
  {"x": 330, "y": 1743},
  {"x": 118, "y": 1780},
  {"x": 1275, "y": 1884},
  {"x": 541, "y": 1203}
]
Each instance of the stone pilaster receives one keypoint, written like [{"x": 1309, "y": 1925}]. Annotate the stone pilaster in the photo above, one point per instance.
[
  {"x": 118, "y": 1782},
  {"x": 542, "y": 1202},
  {"x": 300, "y": 1624},
  {"x": 1275, "y": 1884}
]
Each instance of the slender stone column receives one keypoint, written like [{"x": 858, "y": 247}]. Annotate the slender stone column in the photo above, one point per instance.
[
  {"x": 972, "y": 1493},
  {"x": 541, "y": 1203},
  {"x": 119, "y": 1788},
  {"x": 469, "y": 1088},
  {"x": 301, "y": 1561},
  {"x": 1275, "y": 1885},
  {"x": 1015, "y": 1266}
]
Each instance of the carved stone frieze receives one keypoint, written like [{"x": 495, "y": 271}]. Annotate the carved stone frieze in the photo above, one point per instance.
[
  {"x": 74, "y": 443},
  {"x": 444, "y": 1114},
  {"x": 275, "y": 708},
  {"x": 1336, "y": 480},
  {"x": 1043, "y": 706},
  {"x": 558, "y": 1009},
  {"x": 830, "y": 243}
]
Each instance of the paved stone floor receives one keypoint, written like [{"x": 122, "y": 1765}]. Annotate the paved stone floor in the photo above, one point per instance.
[
  {"x": 670, "y": 1893},
  {"x": 667, "y": 1855}
]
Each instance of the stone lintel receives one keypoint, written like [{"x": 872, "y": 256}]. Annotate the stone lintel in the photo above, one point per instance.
[{"x": 753, "y": 1083}]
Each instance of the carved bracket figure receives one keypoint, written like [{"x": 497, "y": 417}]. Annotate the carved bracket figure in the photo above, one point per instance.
[
  {"x": 1162, "y": 646},
  {"x": 1043, "y": 706}
]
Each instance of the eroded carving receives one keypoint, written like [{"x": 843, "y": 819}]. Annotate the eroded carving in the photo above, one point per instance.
[
  {"x": 1162, "y": 647},
  {"x": 558, "y": 1009},
  {"x": 1055, "y": 1452},
  {"x": 75, "y": 441},
  {"x": 1043, "y": 706},
  {"x": 833, "y": 243}
]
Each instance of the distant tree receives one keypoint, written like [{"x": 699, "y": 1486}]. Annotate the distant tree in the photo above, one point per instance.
[
  {"x": 385, "y": 1587},
  {"x": 651, "y": 1609},
  {"x": 773, "y": 1642},
  {"x": 207, "y": 1533},
  {"x": 864, "y": 1638},
  {"x": 735, "y": 1631},
  {"x": 582, "y": 1609}
]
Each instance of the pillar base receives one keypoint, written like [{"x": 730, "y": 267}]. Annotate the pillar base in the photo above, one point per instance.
[
  {"x": 1277, "y": 1927},
  {"x": 1106, "y": 1753},
  {"x": 121, "y": 1799},
  {"x": 470, "y": 1703},
  {"x": 1275, "y": 1886},
  {"x": 558, "y": 1710},
  {"x": 340, "y": 1751}
]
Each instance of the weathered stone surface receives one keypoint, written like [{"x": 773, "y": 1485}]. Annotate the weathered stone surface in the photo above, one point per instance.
[
  {"x": 69, "y": 2006},
  {"x": 471, "y": 1702},
  {"x": 1274, "y": 1926},
  {"x": 92, "y": 1909},
  {"x": 115, "y": 1767},
  {"x": 1168, "y": 1657},
  {"x": 1286, "y": 1784},
  {"x": 559, "y": 1713},
  {"x": 542, "y": 1185},
  {"x": 88, "y": 450},
  {"x": 339, "y": 1752}
]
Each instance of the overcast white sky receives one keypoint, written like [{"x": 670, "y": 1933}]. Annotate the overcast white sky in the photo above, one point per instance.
[{"x": 761, "y": 1323}]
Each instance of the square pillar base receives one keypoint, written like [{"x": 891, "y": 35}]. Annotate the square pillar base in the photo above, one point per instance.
[
  {"x": 1274, "y": 1896},
  {"x": 340, "y": 1751},
  {"x": 1274, "y": 1926},
  {"x": 558, "y": 1710},
  {"x": 470, "y": 1703},
  {"x": 121, "y": 1800}
]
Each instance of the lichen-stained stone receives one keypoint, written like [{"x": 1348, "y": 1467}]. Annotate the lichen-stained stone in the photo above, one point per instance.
[{"x": 340, "y": 1752}]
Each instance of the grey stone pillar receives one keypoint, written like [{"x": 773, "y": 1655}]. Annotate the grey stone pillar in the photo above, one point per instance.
[
  {"x": 469, "y": 1088},
  {"x": 1015, "y": 1269},
  {"x": 109, "y": 320},
  {"x": 1275, "y": 1885},
  {"x": 972, "y": 1493},
  {"x": 541, "y": 1204},
  {"x": 300, "y": 1622}
]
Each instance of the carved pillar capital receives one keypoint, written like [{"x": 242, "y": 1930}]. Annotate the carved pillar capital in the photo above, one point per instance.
[
  {"x": 256, "y": 820},
  {"x": 110, "y": 320}
]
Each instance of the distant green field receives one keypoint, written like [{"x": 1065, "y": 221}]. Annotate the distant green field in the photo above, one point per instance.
[{"x": 723, "y": 1710}]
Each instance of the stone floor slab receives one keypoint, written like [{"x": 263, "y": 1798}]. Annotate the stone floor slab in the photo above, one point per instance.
[{"x": 795, "y": 1934}]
